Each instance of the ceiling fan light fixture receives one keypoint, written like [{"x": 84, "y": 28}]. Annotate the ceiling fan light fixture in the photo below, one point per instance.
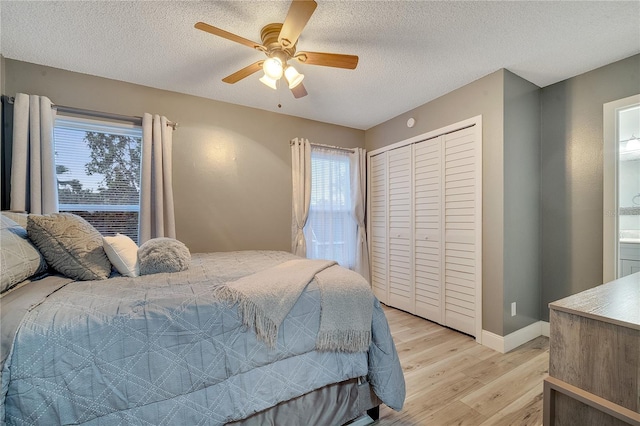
[
  {"x": 294, "y": 78},
  {"x": 273, "y": 68},
  {"x": 268, "y": 81},
  {"x": 279, "y": 44}
]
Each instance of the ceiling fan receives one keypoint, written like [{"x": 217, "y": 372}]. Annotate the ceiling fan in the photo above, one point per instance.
[{"x": 279, "y": 45}]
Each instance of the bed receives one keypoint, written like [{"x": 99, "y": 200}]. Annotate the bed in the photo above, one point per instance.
[{"x": 169, "y": 348}]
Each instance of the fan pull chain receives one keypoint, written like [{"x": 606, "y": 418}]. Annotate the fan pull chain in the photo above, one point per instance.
[{"x": 279, "y": 93}]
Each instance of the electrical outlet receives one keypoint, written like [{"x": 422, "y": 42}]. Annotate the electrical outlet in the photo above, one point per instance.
[{"x": 513, "y": 309}]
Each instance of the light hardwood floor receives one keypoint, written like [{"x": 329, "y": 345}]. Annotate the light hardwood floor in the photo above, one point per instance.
[{"x": 452, "y": 380}]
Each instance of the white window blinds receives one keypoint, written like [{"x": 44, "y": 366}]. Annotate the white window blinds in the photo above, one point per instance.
[
  {"x": 330, "y": 230},
  {"x": 98, "y": 172}
]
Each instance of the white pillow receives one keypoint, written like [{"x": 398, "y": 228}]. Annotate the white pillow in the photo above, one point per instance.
[{"x": 122, "y": 251}]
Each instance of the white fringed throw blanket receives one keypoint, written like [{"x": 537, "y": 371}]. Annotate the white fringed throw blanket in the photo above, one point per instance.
[{"x": 266, "y": 297}]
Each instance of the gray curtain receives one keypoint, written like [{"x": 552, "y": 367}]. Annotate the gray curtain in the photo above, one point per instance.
[
  {"x": 33, "y": 170},
  {"x": 358, "y": 195},
  {"x": 301, "y": 197},
  {"x": 156, "y": 189}
]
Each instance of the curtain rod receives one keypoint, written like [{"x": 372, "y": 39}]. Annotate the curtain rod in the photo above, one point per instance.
[
  {"x": 107, "y": 115},
  {"x": 337, "y": 148},
  {"x": 99, "y": 114}
]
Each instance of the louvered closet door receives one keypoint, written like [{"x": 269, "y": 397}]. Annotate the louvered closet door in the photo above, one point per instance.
[
  {"x": 378, "y": 225},
  {"x": 428, "y": 229},
  {"x": 400, "y": 229},
  {"x": 460, "y": 230}
]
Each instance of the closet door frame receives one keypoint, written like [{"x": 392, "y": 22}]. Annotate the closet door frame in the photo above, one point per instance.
[{"x": 476, "y": 123}]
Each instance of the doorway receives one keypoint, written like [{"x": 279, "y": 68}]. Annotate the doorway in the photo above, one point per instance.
[{"x": 621, "y": 225}]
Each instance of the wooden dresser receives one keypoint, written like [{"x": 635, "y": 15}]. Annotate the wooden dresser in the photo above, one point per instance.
[{"x": 594, "y": 357}]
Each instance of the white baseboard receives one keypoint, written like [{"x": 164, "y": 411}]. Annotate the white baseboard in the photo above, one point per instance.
[
  {"x": 546, "y": 330},
  {"x": 511, "y": 341},
  {"x": 492, "y": 341}
]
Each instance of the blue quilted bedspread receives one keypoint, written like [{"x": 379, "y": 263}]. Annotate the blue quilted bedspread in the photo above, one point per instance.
[{"x": 162, "y": 350}]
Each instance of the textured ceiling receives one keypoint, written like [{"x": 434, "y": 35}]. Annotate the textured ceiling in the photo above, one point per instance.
[{"x": 410, "y": 52}]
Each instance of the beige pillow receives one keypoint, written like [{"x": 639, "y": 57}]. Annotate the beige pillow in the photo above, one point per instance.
[
  {"x": 70, "y": 244},
  {"x": 19, "y": 259},
  {"x": 162, "y": 254},
  {"x": 122, "y": 251}
]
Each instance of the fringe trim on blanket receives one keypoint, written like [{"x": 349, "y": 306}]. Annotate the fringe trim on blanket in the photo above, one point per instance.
[
  {"x": 343, "y": 340},
  {"x": 252, "y": 316}
]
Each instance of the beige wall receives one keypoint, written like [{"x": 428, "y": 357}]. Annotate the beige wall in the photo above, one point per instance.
[
  {"x": 232, "y": 164},
  {"x": 482, "y": 97},
  {"x": 232, "y": 174}
]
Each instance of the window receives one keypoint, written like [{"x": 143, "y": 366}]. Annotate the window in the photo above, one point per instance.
[
  {"x": 331, "y": 229},
  {"x": 98, "y": 172}
]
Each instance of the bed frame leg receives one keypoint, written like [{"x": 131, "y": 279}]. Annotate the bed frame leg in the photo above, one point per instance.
[{"x": 374, "y": 412}]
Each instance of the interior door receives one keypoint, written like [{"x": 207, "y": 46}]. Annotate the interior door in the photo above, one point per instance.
[
  {"x": 378, "y": 226},
  {"x": 460, "y": 251},
  {"x": 427, "y": 181},
  {"x": 400, "y": 229}
]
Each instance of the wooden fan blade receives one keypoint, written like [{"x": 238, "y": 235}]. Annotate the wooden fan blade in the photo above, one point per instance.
[
  {"x": 244, "y": 72},
  {"x": 226, "y": 34},
  {"x": 336, "y": 60},
  {"x": 299, "y": 13},
  {"x": 299, "y": 91}
]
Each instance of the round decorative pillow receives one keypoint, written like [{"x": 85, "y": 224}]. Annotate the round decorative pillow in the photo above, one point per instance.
[{"x": 163, "y": 255}]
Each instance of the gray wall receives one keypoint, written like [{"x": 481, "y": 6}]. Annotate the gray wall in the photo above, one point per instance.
[
  {"x": 571, "y": 129},
  {"x": 2, "y": 74},
  {"x": 521, "y": 202},
  {"x": 542, "y": 176},
  {"x": 481, "y": 97},
  {"x": 232, "y": 164}
]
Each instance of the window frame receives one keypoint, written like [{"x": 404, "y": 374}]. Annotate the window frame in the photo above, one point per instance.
[
  {"x": 342, "y": 214},
  {"x": 76, "y": 122}
]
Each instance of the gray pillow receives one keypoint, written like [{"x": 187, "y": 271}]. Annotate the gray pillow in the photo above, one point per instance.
[
  {"x": 163, "y": 255},
  {"x": 19, "y": 259},
  {"x": 70, "y": 244}
]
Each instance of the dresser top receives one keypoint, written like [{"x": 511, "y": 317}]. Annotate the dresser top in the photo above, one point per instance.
[{"x": 617, "y": 302}]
